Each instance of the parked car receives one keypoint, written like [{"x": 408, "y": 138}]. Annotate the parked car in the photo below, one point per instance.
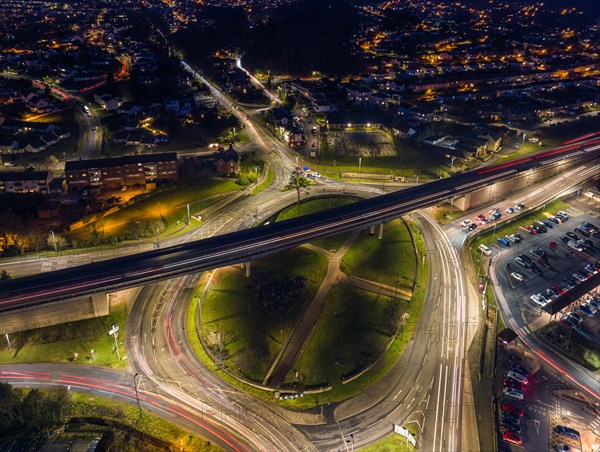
[
  {"x": 565, "y": 239},
  {"x": 511, "y": 418},
  {"x": 522, "y": 263},
  {"x": 554, "y": 220},
  {"x": 465, "y": 223},
  {"x": 503, "y": 241},
  {"x": 472, "y": 227},
  {"x": 511, "y": 426},
  {"x": 513, "y": 238},
  {"x": 563, "y": 214},
  {"x": 518, "y": 276},
  {"x": 517, "y": 376},
  {"x": 571, "y": 319},
  {"x": 513, "y": 393},
  {"x": 591, "y": 269},
  {"x": 507, "y": 407},
  {"x": 496, "y": 216},
  {"x": 581, "y": 232},
  {"x": 548, "y": 224},
  {"x": 585, "y": 310},
  {"x": 485, "y": 250},
  {"x": 519, "y": 369},
  {"x": 567, "y": 283},
  {"x": 537, "y": 299},
  {"x": 579, "y": 276},
  {"x": 567, "y": 431},
  {"x": 538, "y": 252},
  {"x": 531, "y": 230},
  {"x": 572, "y": 235},
  {"x": 540, "y": 225},
  {"x": 510, "y": 383},
  {"x": 511, "y": 437}
]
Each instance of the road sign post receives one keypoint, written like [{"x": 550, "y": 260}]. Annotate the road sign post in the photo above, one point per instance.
[{"x": 114, "y": 332}]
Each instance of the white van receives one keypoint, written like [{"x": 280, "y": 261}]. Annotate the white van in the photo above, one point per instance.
[{"x": 485, "y": 250}]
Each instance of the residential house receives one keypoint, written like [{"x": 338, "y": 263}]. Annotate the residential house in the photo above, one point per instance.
[
  {"x": 107, "y": 102},
  {"x": 28, "y": 181},
  {"x": 226, "y": 161}
]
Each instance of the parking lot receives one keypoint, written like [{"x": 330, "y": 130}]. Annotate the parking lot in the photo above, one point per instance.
[
  {"x": 525, "y": 270},
  {"x": 543, "y": 261}
]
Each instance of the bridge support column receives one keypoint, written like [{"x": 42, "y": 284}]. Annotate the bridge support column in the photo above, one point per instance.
[
  {"x": 380, "y": 234},
  {"x": 247, "y": 265},
  {"x": 100, "y": 302},
  {"x": 372, "y": 230}
]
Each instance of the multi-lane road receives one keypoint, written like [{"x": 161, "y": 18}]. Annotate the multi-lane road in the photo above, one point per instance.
[
  {"x": 424, "y": 390},
  {"x": 246, "y": 245}
]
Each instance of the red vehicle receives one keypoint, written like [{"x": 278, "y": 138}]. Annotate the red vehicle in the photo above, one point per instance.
[
  {"x": 511, "y": 437},
  {"x": 314, "y": 145},
  {"x": 531, "y": 230},
  {"x": 552, "y": 244},
  {"x": 481, "y": 217},
  {"x": 512, "y": 409},
  {"x": 510, "y": 383}
]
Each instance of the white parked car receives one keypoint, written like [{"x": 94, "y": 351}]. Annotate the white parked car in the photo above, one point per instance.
[
  {"x": 517, "y": 376},
  {"x": 465, "y": 223},
  {"x": 513, "y": 393},
  {"x": 518, "y": 276}
]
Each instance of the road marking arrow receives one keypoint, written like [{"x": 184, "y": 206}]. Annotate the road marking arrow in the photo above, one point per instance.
[{"x": 537, "y": 425}]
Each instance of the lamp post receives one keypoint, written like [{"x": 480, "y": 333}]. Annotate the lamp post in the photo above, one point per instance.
[
  {"x": 137, "y": 395},
  {"x": 54, "y": 241},
  {"x": 359, "y": 165}
]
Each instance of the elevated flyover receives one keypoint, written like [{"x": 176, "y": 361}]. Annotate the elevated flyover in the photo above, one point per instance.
[{"x": 247, "y": 245}]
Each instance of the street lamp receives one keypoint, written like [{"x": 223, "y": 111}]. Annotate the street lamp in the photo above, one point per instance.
[
  {"x": 137, "y": 395},
  {"x": 54, "y": 241},
  {"x": 359, "y": 165}
]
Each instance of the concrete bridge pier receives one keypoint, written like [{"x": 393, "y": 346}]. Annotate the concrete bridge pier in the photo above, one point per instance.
[
  {"x": 247, "y": 266},
  {"x": 380, "y": 235},
  {"x": 372, "y": 230}
]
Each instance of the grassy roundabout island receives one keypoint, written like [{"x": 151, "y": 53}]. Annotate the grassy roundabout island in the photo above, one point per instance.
[{"x": 332, "y": 316}]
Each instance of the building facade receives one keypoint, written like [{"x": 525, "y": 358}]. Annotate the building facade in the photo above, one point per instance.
[
  {"x": 116, "y": 172},
  {"x": 25, "y": 182}
]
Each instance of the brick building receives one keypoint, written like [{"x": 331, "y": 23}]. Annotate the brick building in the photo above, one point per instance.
[{"x": 116, "y": 172}]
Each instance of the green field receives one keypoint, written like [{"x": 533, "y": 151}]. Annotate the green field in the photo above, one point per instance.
[
  {"x": 390, "y": 260},
  {"x": 250, "y": 334},
  {"x": 331, "y": 243},
  {"x": 86, "y": 405},
  {"x": 58, "y": 343},
  {"x": 351, "y": 333}
]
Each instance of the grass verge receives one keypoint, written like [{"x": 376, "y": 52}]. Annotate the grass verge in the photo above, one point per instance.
[
  {"x": 331, "y": 243},
  {"x": 168, "y": 205},
  {"x": 58, "y": 343},
  {"x": 266, "y": 183},
  {"x": 390, "y": 260},
  {"x": 392, "y": 443},
  {"x": 86, "y": 405},
  {"x": 236, "y": 321},
  {"x": 412, "y": 312}
]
